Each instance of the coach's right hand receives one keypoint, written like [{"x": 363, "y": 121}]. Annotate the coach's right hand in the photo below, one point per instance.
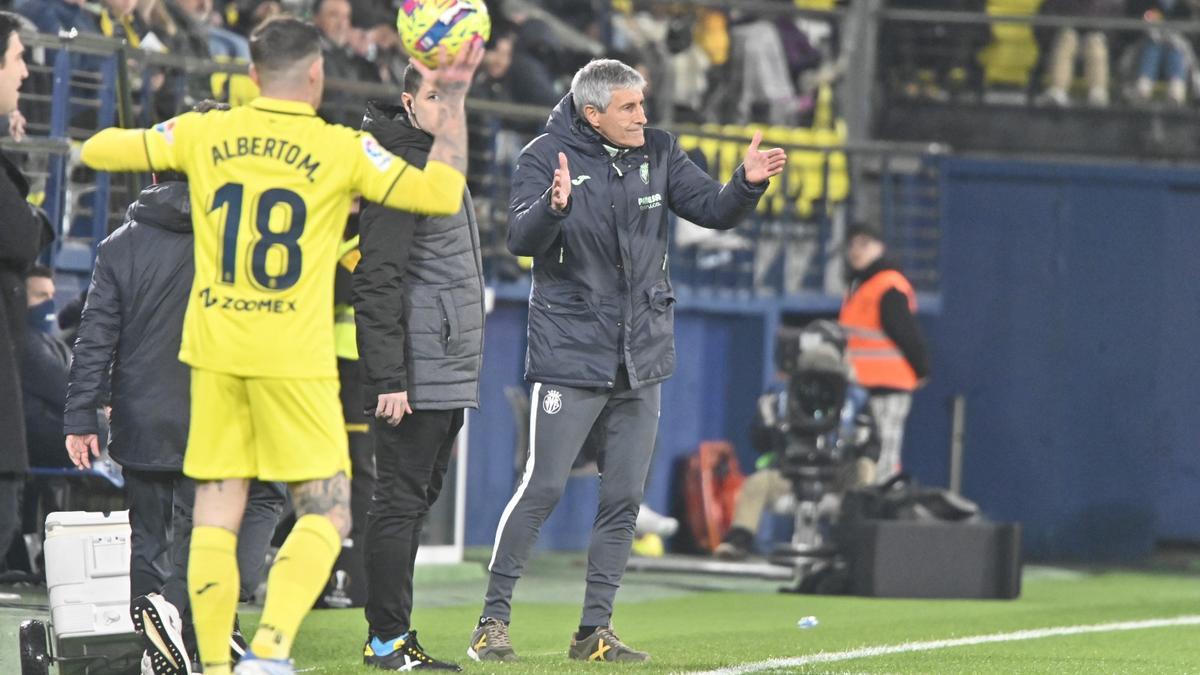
[
  {"x": 560, "y": 187},
  {"x": 392, "y": 407},
  {"x": 78, "y": 447}
]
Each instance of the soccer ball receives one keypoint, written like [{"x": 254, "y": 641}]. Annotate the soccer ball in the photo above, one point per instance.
[{"x": 424, "y": 25}]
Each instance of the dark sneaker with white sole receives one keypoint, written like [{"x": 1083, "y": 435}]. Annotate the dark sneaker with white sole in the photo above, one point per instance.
[
  {"x": 490, "y": 642},
  {"x": 604, "y": 645},
  {"x": 403, "y": 653},
  {"x": 157, "y": 622},
  {"x": 237, "y": 642}
]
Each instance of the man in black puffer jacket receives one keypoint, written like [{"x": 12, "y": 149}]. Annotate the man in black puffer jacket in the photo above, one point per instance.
[
  {"x": 590, "y": 202},
  {"x": 419, "y": 313},
  {"x": 131, "y": 327}
]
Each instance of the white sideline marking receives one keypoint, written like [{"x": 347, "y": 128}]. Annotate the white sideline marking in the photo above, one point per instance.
[{"x": 908, "y": 647}]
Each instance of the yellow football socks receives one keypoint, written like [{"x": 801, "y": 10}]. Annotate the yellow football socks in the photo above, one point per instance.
[
  {"x": 213, "y": 587},
  {"x": 300, "y": 572}
]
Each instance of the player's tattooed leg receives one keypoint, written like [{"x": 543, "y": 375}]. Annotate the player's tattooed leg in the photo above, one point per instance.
[{"x": 329, "y": 497}]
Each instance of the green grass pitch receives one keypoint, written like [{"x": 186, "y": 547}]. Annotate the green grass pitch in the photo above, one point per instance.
[
  {"x": 697, "y": 623},
  {"x": 688, "y": 623}
]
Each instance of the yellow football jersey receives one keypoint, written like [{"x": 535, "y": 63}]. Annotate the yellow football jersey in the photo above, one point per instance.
[{"x": 271, "y": 185}]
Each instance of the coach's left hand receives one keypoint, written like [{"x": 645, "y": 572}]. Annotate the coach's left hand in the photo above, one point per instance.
[{"x": 760, "y": 165}]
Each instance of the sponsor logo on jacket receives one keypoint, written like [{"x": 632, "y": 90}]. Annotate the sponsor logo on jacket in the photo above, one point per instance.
[{"x": 651, "y": 202}]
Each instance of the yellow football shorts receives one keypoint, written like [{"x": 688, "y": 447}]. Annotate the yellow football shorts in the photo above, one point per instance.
[{"x": 273, "y": 429}]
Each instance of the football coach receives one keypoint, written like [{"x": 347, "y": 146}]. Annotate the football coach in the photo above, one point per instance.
[{"x": 590, "y": 202}]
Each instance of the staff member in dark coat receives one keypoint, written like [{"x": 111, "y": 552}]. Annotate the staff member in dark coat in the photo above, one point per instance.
[
  {"x": 419, "y": 313},
  {"x": 132, "y": 325},
  {"x": 22, "y": 236},
  {"x": 45, "y": 360},
  {"x": 589, "y": 203}
]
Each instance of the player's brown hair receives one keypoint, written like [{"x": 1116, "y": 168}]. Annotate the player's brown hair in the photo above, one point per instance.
[{"x": 282, "y": 42}]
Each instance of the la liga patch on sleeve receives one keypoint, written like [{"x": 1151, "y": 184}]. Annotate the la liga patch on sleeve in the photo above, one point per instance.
[
  {"x": 167, "y": 129},
  {"x": 381, "y": 158}
]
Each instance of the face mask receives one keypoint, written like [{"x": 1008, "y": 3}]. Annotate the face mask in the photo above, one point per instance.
[{"x": 42, "y": 317}]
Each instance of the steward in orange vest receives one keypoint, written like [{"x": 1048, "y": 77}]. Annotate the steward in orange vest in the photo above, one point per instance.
[{"x": 884, "y": 341}]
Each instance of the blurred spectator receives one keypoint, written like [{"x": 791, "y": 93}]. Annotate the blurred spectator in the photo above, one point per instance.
[
  {"x": 531, "y": 79},
  {"x": 69, "y": 316},
  {"x": 199, "y": 23},
  {"x": 581, "y": 15},
  {"x": 248, "y": 14},
  {"x": 491, "y": 81},
  {"x": 768, "y": 93},
  {"x": 690, "y": 62},
  {"x": 109, "y": 17},
  {"x": 23, "y": 234},
  {"x": 372, "y": 13},
  {"x": 52, "y": 16},
  {"x": 1063, "y": 54},
  {"x": 934, "y": 60},
  {"x": 45, "y": 361},
  {"x": 1165, "y": 54},
  {"x": 645, "y": 41},
  {"x": 155, "y": 26},
  {"x": 332, "y": 19}
]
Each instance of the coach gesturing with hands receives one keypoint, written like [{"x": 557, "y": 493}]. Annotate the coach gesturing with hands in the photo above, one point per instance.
[{"x": 589, "y": 203}]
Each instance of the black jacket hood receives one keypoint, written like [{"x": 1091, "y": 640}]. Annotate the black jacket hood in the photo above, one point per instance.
[
  {"x": 390, "y": 125},
  {"x": 167, "y": 206}
]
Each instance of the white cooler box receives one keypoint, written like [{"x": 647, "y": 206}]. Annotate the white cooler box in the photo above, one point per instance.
[{"x": 87, "y": 573}]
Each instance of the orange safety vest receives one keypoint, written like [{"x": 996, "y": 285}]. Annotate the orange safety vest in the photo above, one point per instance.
[{"x": 877, "y": 360}]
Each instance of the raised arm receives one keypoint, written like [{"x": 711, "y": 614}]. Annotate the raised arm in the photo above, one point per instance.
[
  {"x": 386, "y": 179},
  {"x": 540, "y": 199},
  {"x": 451, "y": 79},
  {"x": 693, "y": 194},
  {"x": 151, "y": 149}
]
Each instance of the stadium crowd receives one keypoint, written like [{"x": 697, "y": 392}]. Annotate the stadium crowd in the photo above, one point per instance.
[
  {"x": 944, "y": 60},
  {"x": 701, "y": 64}
]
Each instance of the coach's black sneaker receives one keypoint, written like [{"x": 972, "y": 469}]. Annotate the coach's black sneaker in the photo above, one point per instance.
[
  {"x": 604, "y": 645},
  {"x": 490, "y": 642},
  {"x": 158, "y": 622},
  {"x": 402, "y": 653}
]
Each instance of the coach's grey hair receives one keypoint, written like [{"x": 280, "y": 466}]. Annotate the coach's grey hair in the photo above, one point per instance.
[{"x": 594, "y": 83}]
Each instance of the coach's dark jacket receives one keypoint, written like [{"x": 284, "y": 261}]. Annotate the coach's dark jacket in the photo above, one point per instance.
[
  {"x": 601, "y": 291},
  {"x": 133, "y": 323},
  {"x": 418, "y": 290},
  {"x": 23, "y": 234}
]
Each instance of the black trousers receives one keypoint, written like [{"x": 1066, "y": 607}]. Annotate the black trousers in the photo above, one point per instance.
[
  {"x": 411, "y": 461},
  {"x": 160, "y": 522}
]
